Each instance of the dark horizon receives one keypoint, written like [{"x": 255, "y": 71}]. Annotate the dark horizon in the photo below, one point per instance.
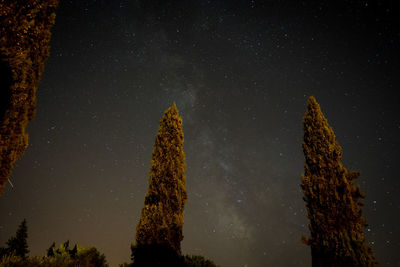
[{"x": 240, "y": 74}]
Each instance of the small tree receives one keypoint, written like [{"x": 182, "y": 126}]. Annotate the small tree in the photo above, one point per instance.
[
  {"x": 17, "y": 244},
  {"x": 50, "y": 250},
  {"x": 332, "y": 199},
  {"x": 159, "y": 232},
  {"x": 74, "y": 251}
]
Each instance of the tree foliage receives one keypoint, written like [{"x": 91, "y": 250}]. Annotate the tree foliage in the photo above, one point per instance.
[
  {"x": 332, "y": 199},
  {"x": 60, "y": 257},
  {"x": 161, "y": 221},
  {"x": 18, "y": 244},
  {"x": 77, "y": 256},
  {"x": 198, "y": 261},
  {"x": 50, "y": 250},
  {"x": 24, "y": 47}
]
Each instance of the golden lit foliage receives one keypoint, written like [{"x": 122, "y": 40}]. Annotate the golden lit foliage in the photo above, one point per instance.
[
  {"x": 332, "y": 199},
  {"x": 161, "y": 220},
  {"x": 24, "y": 47}
]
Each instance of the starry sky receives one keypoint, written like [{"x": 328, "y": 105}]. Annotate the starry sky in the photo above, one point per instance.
[{"x": 240, "y": 73}]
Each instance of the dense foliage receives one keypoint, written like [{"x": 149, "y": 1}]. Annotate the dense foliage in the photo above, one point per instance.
[
  {"x": 161, "y": 221},
  {"x": 24, "y": 47},
  {"x": 332, "y": 199}
]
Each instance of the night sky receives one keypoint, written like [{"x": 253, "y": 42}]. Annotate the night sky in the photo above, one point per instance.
[{"x": 240, "y": 73}]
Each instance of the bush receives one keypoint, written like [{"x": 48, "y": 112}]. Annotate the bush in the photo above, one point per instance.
[{"x": 61, "y": 257}]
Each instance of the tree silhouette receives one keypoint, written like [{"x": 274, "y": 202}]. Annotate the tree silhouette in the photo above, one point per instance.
[
  {"x": 74, "y": 251},
  {"x": 24, "y": 47},
  {"x": 50, "y": 250},
  {"x": 3, "y": 252},
  {"x": 159, "y": 232},
  {"x": 332, "y": 199},
  {"x": 17, "y": 244}
]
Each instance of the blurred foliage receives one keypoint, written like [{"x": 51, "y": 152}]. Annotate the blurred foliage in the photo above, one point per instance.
[
  {"x": 62, "y": 256},
  {"x": 332, "y": 199},
  {"x": 77, "y": 256},
  {"x": 158, "y": 256},
  {"x": 198, "y": 261},
  {"x": 24, "y": 47}
]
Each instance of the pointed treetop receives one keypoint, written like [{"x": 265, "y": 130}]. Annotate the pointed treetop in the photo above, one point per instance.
[
  {"x": 314, "y": 107},
  {"x": 319, "y": 143},
  {"x": 315, "y": 121},
  {"x": 312, "y": 104},
  {"x": 172, "y": 109},
  {"x": 312, "y": 100},
  {"x": 171, "y": 120}
]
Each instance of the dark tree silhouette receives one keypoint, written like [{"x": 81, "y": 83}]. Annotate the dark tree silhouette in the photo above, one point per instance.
[
  {"x": 3, "y": 252},
  {"x": 17, "y": 244},
  {"x": 66, "y": 246},
  {"x": 331, "y": 198},
  {"x": 24, "y": 47},
  {"x": 50, "y": 250},
  {"x": 198, "y": 261},
  {"x": 74, "y": 251},
  {"x": 159, "y": 231}
]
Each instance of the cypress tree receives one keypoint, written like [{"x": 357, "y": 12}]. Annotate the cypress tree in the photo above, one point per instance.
[
  {"x": 18, "y": 244},
  {"x": 159, "y": 231},
  {"x": 24, "y": 47},
  {"x": 332, "y": 199}
]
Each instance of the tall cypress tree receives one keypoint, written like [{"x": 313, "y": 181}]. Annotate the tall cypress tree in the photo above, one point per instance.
[
  {"x": 159, "y": 231},
  {"x": 332, "y": 199},
  {"x": 24, "y": 47},
  {"x": 18, "y": 244}
]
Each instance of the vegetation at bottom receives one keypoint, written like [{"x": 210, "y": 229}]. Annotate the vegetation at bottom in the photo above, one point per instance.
[{"x": 15, "y": 254}]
